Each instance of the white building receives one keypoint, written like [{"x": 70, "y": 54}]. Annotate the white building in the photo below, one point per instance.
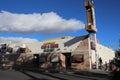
[
  {"x": 77, "y": 51},
  {"x": 104, "y": 52}
]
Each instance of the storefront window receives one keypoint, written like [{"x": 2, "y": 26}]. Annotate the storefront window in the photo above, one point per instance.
[
  {"x": 55, "y": 59},
  {"x": 78, "y": 58},
  {"x": 42, "y": 59}
]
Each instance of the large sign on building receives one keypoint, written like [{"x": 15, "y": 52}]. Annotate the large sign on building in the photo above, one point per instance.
[{"x": 49, "y": 46}]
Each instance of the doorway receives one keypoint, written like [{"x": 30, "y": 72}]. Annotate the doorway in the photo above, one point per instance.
[
  {"x": 67, "y": 60},
  {"x": 36, "y": 60}
]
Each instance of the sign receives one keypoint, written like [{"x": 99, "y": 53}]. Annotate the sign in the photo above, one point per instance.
[
  {"x": 46, "y": 43},
  {"x": 91, "y": 29},
  {"x": 49, "y": 46}
]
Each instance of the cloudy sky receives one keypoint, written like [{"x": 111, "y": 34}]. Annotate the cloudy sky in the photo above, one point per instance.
[
  {"x": 45, "y": 23},
  {"x": 36, "y": 20}
]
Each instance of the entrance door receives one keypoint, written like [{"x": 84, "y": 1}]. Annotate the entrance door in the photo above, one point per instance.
[
  {"x": 36, "y": 60},
  {"x": 68, "y": 60}
]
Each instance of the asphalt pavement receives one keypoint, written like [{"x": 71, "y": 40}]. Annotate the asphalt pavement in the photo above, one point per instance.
[{"x": 46, "y": 75}]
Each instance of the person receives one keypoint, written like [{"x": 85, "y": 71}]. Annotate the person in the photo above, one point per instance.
[
  {"x": 110, "y": 65},
  {"x": 106, "y": 66},
  {"x": 100, "y": 63}
]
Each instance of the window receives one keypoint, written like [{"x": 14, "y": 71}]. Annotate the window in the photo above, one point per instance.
[
  {"x": 78, "y": 58},
  {"x": 55, "y": 59},
  {"x": 42, "y": 59}
]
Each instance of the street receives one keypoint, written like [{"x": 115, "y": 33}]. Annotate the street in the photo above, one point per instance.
[{"x": 30, "y": 75}]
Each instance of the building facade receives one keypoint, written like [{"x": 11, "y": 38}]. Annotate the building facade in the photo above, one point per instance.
[{"x": 64, "y": 52}]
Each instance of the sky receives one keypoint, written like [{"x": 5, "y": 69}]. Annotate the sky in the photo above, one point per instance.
[{"x": 26, "y": 21}]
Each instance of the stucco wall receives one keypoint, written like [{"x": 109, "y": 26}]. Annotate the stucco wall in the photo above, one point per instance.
[
  {"x": 83, "y": 49},
  {"x": 104, "y": 52}
]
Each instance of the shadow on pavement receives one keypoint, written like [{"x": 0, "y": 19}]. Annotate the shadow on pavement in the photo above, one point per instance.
[
  {"x": 115, "y": 75},
  {"x": 42, "y": 73},
  {"x": 89, "y": 76},
  {"x": 32, "y": 77},
  {"x": 92, "y": 74}
]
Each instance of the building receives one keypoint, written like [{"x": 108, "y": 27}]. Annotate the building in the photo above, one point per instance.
[
  {"x": 78, "y": 51},
  {"x": 66, "y": 52}
]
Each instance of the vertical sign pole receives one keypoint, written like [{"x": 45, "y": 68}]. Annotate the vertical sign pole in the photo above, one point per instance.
[
  {"x": 94, "y": 23},
  {"x": 91, "y": 26}
]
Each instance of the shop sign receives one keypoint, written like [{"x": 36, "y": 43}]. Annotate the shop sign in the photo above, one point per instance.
[
  {"x": 49, "y": 46},
  {"x": 46, "y": 43}
]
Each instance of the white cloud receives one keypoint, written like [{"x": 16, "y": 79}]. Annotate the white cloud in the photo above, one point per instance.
[
  {"x": 46, "y": 23},
  {"x": 17, "y": 40}
]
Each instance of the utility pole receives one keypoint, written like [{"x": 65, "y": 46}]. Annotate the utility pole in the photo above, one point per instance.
[
  {"x": 91, "y": 26},
  {"x": 119, "y": 44}
]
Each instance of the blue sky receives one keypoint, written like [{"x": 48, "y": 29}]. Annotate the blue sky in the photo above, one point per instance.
[{"x": 44, "y": 19}]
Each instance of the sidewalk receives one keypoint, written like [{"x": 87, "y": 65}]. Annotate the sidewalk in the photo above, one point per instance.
[{"x": 93, "y": 72}]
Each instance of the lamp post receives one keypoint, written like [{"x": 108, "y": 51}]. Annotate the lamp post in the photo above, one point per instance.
[{"x": 91, "y": 26}]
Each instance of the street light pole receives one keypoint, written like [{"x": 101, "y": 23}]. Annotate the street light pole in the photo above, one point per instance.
[{"x": 119, "y": 44}]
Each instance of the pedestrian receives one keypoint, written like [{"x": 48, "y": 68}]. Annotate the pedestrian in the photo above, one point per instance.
[
  {"x": 106, "y": 66},
  {"x": 100, "y": 63},
  {"x": 111, "y": 65}
]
